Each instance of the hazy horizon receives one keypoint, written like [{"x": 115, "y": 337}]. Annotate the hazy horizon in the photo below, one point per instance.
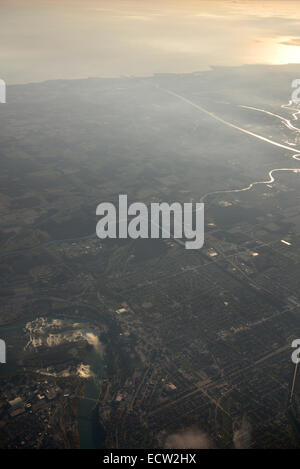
[{"x": 42, "y": 40}]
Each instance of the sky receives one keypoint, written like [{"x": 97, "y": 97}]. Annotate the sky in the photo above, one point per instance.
[{"x": 53, "y": 39}]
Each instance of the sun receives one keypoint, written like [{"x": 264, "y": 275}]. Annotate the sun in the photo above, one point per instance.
[{"x": 288, "y": 54}]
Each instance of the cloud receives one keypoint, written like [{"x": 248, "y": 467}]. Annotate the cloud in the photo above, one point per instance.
[
  {"x": 95, "y": 342},
  {"x": 242, "y": 436},
  {"x": 84, "y": 371},
  {"x": 193, "y": 438},
  {"x": 188, "y": 439},
  {"x": 295, "y": 41}
]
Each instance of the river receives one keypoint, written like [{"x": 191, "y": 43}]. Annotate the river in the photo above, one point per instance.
[{"x": 90, "y": 434}]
